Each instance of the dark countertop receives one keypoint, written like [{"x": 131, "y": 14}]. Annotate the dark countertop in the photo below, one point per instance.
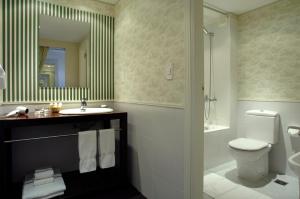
[{"x": 32, "y": 119}]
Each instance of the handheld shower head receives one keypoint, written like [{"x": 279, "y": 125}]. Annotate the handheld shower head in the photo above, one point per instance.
[{"x": 207, "y": 32}]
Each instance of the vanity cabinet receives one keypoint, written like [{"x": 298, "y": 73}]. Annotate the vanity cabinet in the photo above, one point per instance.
[{"x": 77, "y": 185}]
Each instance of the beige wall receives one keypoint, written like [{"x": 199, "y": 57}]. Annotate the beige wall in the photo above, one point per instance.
[
  {"x": 87, "y": 5},
  {"x": 269, "y": 51},
  {"x": 149, "y": 35},
  {"x": 71, "y": 60}
]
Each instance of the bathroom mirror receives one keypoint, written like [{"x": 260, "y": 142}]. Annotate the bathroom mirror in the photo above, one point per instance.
[{"x": 64, "y": 52}]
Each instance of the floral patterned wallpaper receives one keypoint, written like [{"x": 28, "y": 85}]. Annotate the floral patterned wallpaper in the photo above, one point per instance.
[
  {"x": 269, "y": 53},
  {"x": 149, "y": 35}
]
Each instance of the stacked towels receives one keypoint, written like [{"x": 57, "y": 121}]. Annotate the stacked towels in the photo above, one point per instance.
[
  {"x": 43, "y": 176},
  {"x": 43, "y": 184}
]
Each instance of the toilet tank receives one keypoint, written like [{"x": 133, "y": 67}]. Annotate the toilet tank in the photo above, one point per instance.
[{"x": 262, "y": 125}]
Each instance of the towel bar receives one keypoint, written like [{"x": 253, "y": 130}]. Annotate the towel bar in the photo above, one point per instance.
[{"x": 45, "y": 137}]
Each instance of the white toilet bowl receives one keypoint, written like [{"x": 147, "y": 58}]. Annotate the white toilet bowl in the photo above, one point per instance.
[{"x": 252, "y": 158}]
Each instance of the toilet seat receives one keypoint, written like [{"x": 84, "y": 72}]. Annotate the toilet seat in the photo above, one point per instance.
[{"x": 247, "y": 144}]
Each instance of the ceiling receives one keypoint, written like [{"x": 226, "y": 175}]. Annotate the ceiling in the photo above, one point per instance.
[
  {"x": 237, "y": 6},
  {"x": 62, "y": 29},
  {"x": 232, "y": 6},
  {"x": 211, "y": 17},
  {"x": 109, "y": 1}
]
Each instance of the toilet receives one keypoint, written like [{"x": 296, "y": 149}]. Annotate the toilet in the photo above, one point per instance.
[{"x": 252, "y": 152}]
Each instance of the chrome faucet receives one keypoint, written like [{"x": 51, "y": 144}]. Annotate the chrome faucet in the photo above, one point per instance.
[{"x": 83, "y": 104}]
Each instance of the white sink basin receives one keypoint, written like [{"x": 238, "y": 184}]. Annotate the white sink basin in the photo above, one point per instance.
[
  {"x": 294, "y": 163},
  {"x": 86, "y": 111}
]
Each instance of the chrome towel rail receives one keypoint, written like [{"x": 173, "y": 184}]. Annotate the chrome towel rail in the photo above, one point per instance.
[{"x": 45, "y": 137}]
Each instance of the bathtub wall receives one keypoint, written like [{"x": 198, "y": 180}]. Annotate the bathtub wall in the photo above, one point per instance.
[
  {"x": 224, "y": 110},
  {"x": 222, "y": 66}
]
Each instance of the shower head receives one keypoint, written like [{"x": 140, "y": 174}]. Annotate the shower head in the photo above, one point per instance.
[{"x": 207, "y": 32}]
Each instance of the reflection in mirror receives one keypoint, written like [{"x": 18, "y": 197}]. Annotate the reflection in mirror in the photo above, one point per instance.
[
  {"x": 64, "y": 49},
  {"x": 52, "y": 68}
]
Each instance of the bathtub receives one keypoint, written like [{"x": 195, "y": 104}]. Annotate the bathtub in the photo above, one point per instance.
[
  {"x": 214, "y": 128},
  {"x": 216, "y": 138}
]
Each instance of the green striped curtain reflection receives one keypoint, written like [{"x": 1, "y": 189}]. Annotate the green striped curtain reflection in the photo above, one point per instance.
[{"x": 20, "y": 53}]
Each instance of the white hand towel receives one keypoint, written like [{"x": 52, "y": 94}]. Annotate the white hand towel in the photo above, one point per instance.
[
  {"x": 43, "y": 173},
  {"x": 87, "y": 147},
  {"x": 106, "y": 148},
  {"x": 38, "y": 182}
]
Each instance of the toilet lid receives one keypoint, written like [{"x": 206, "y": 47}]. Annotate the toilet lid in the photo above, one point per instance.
[{"x": 247, "y": 144}]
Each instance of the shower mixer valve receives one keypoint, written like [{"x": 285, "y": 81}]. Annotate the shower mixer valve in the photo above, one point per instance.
[{"x": 207, "y": 98}]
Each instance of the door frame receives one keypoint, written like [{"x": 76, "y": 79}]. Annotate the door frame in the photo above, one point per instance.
[{"x": 194, "y": 101}]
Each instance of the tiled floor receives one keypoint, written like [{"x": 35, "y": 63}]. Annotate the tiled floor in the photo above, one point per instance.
[
  {"x": 267, "y": 187},
  {"x": 121, "y": 193}
]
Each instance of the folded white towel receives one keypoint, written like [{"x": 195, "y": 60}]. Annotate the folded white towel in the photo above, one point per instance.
[
  {"x": 30, "y": 191},
  {"x": 43, "y": 173},
  {"x": 30, "y": 178},
  {"x": 53, "y": 195},
  {"x": 106, "y": 148},
  {"x": 87, "y": 147},
  {"x": 38, "y": 182}
]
